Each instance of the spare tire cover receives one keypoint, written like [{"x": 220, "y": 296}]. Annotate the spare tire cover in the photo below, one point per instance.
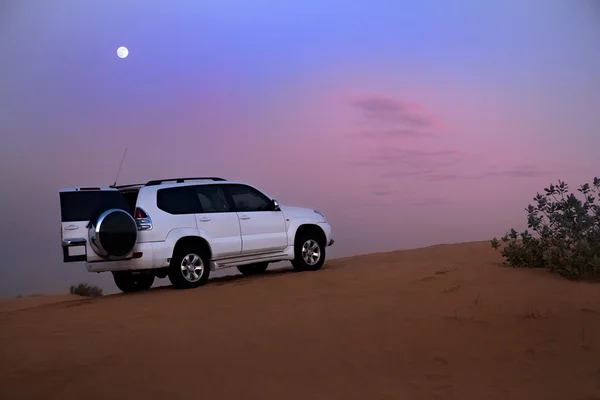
[{"x": 114, "y": 234}]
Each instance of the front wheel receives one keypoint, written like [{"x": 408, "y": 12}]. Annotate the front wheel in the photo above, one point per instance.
[
  {"x": 128, "y": 282},
  {"x": 309, "y": 252},
  {"x": 253, "y": 269}
]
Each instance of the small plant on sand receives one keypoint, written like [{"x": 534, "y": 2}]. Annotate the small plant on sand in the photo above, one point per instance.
[
  {"x": 535, "y": 314},
  {"x": 86, "y": 290},
  {"x": 566, "y": 236}
]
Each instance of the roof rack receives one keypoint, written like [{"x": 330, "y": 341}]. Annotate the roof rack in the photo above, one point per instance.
[
  {"x": 181, "y": 180},
  {"x": 126, "y": 186}
]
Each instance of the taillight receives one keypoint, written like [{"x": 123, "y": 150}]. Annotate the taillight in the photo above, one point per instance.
[
  {"x": 139, "y": 213},
  {"x": 142, "y": 219}
]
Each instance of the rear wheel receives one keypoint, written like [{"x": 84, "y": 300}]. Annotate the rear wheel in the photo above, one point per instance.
[
  {"x": 253, "y": 269},
  {"x": 128, "y": 282},
  {"x": 309, "y": 252},
  {"x": 189, "y": 267}
]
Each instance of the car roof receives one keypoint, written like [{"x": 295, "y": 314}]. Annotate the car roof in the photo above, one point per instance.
[
  {"x": 162, "y": 185},
  {"x": 194, "y": 183},
  {"x": 86, "y": 189}
]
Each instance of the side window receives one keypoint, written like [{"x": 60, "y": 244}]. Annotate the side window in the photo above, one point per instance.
[
  {"x": 212, "y": 198},
  {"x": 178, "y": 200},
  {"x": 247, "y": 198}
]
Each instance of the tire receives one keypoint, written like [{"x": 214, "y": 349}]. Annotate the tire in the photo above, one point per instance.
[
  {"x": 305, "y": 243},
  {"x": 253, "y": 269},
  {"x": 181, "y": 274},
  {"x": 113, "y": 233},
  {"x": 129, "y": 283}
]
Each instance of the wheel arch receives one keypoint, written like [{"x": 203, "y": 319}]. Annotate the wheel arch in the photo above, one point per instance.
[
  {"x": 193, "y": 240},
  {"x": 311, "y": 228},
  {"x": 177, "y": 237}
]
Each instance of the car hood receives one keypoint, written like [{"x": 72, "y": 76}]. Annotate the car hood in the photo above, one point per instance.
[{"x": 299, "y": 212}]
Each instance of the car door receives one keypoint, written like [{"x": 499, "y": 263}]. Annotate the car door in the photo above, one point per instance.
[
  {"x": 263, "y": 229},
  {"x": 219, "y": 221},
  {"x": 78, "y": 207}
]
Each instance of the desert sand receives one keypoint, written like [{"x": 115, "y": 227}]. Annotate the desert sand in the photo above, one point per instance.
[
  {"x": 21, "y": 303},
  {"x": 443, "y": 322}
]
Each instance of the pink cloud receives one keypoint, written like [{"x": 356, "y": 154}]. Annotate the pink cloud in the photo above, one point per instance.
[{"x": 391, "y": 117}]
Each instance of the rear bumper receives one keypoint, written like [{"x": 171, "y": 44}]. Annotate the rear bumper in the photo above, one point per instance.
[{"x": 145, "y": 261}]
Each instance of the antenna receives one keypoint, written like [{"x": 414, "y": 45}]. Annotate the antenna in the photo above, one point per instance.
[{"x": 119, "y": 171}]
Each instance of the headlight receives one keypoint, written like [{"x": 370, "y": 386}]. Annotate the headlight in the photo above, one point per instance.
[{"x": 320, "y": 213}]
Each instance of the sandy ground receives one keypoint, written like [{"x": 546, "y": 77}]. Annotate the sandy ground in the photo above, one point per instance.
[
  {"x": 22, "y": 303},
  {"x": 444, "y": 322}
]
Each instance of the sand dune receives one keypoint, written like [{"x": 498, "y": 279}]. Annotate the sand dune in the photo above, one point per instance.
[
  {"x": 444, "y": 322},
  {"x": 22, "y": 303}
]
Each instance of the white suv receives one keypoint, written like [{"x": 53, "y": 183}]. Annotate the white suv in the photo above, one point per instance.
[{"x": 184, "y": 228}]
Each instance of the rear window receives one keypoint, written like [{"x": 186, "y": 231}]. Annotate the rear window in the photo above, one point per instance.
[
  {"x": 178, "y": 200},
  {"x": 131, "y": 198},
  {"x": 85, "y": 205}
]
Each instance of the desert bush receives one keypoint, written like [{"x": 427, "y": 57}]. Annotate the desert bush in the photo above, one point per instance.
[
  {"x": 566, "y": 233},
  {"x": 84, "y": 289}
]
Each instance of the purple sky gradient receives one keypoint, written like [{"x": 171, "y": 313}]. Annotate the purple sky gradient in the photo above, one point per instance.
[{"x": 406, "y": 123}]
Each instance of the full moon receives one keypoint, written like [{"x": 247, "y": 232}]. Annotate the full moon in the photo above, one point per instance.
[{"x": 122, "y": 52}]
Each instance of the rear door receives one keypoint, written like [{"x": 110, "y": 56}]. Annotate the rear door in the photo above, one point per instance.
[
  {"x": 210, "y": 214},
  {"x": 219, "y": 220},
  {"x": 79, "y": 206}
]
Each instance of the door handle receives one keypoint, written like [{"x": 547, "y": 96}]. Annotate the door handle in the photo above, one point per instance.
[
  {"x": 244, "y": 217},
  {"x": 204, "y": 219},
  {"x": 71, "y": 228}
]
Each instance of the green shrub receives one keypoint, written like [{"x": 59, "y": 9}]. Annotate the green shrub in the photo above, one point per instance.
[
  {"x": 566, "y": 233},
  {"x": 84, "y": 289}
]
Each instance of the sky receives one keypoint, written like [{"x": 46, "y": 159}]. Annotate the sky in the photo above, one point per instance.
[{"x": 408, "y": 123}]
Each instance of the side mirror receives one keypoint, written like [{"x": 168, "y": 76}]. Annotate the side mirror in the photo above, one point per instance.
[{"x": 275, "y": 204}]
